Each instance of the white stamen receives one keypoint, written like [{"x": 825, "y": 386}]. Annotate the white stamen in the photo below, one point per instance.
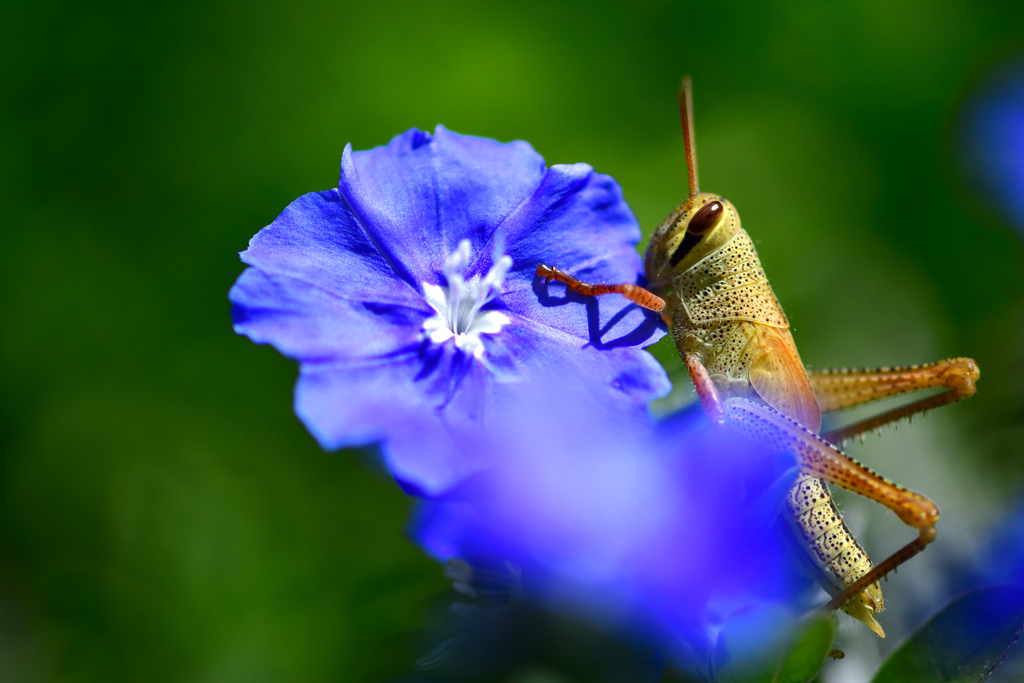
[{"x": 458, "y": 305}]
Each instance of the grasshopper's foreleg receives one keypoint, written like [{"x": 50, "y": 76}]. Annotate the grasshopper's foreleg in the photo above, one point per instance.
[
  {"x": 638, "y": 295},
  {"x": 821, "y": 459},
  {"x": 838, "y": 389}
]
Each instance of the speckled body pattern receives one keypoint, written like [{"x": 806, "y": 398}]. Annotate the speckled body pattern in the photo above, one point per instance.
[
  {"x": 724, "y": 309},
  {"x": 831, "y": 547},
  {"x": 729, "y": 284}
]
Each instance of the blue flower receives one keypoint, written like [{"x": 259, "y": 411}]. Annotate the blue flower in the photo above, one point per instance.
[
  {"x": 668, "y": 533},
  {"x": 1000, "y": 559},
  {"x": 408, "y": 296},
  {"x": 992, "y": 140}
]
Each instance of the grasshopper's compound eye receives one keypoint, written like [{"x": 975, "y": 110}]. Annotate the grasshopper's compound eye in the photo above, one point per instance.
[
  {"x": 703, "y": 221},
  {"x": 706, "y": 218}
]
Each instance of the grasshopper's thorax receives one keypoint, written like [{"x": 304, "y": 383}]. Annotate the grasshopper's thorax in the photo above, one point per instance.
[
  {"x": 719, "y": 300},
  {"x": 724, "y": 310}
]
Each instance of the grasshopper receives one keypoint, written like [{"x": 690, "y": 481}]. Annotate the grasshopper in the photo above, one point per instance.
[{"x": 705, "y": 279}]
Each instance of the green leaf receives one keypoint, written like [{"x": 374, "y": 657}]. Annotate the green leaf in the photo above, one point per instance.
[
  {"x": 963, "y": 643},
  {"x": 796, "y": 660},
  {"x": 808, "y": 652}
]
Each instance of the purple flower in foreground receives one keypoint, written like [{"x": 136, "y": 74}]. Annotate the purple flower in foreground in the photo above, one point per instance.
[
  {"x": 669, "y": 534},
  {"x": 409, "y": 297}
]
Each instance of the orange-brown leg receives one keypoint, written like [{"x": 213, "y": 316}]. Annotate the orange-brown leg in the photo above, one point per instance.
[
  {"x": 838, "y": 389},
  {"x": 820, "y": 458},
  {"x": 882, "y": 569},
  {"x": 638, "y": 295},
  {"x": 707, "y": 392}
]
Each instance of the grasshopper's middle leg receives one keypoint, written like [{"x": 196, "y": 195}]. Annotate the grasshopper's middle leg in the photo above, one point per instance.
[{"x": 838, "y": 389}]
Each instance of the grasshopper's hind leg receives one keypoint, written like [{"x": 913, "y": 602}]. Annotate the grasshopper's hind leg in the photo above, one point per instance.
[
  {"x": 638, "y": 295},
  {"x": 821, "y": 459},
  {"x": 841, "y": 560},
  {"x": 838, "y": 389}
]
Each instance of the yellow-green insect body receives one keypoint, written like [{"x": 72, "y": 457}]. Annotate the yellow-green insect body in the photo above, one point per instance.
[{"x": 722, "y": 311}]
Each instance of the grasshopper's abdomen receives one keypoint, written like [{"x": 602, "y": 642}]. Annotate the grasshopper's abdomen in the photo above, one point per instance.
[{"x": 830, "y": 546}]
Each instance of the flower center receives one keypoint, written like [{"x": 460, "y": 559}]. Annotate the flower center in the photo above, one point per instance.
[{"x": 458, "y": 306}]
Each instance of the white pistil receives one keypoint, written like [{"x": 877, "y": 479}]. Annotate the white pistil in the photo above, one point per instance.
[{"x": 458, "y": 306}]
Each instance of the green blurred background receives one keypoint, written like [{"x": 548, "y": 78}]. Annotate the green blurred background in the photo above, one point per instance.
[{"x": 164, "y": 517}]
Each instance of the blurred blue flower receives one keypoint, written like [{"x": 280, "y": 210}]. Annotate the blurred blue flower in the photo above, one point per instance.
[
  {"x": 1001, "y": 557},
  {"x": 992, "y": 140},
  {"x": 409, "y": 297},
  {"x": 668, "y": 533}
]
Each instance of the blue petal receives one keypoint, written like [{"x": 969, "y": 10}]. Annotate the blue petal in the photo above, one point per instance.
[
  {"x": 429, "y": 409},
  {"x": 317, "y": 239},
  {"x": 307, "y": 323},
  {"x": 420, "y": 195},
  {"x": 319, "y": 290},
  {"x": 445, "y": 529},
  {"x": 615, "y": 380},
  {"x": 578, "y": 221}
]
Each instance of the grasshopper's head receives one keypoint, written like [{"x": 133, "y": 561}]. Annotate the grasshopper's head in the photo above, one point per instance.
[{"x": 697, "y": 227}]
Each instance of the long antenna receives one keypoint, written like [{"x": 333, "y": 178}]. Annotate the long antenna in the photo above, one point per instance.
[{"x": 686, "y": 112}]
